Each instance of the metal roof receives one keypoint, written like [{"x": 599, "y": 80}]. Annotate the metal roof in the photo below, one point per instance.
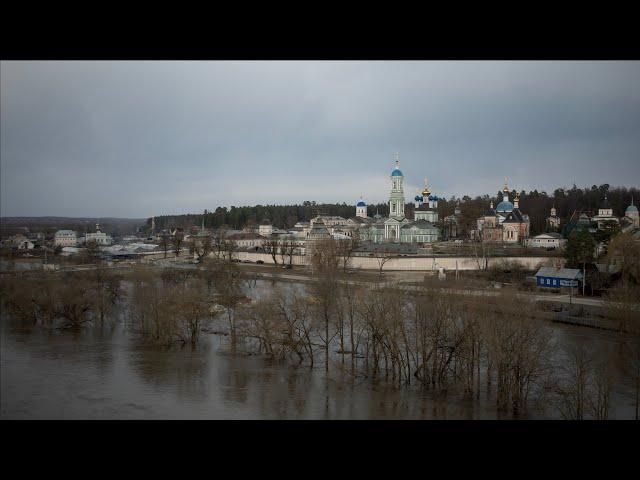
[{"x": 553, "y": 272}]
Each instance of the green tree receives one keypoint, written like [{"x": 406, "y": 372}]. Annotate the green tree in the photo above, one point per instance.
[{"x": 580, "y": 248}]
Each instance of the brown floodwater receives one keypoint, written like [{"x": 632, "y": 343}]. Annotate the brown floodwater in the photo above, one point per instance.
[{"x": 108, "y": 373}]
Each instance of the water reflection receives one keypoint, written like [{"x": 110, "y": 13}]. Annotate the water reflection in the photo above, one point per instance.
[
  {"x": 181, "y": 370},
  {"x": 108, "y": 373}
]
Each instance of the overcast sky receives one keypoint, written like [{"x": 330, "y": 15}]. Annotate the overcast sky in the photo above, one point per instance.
[{"x": 136, "y": 139}]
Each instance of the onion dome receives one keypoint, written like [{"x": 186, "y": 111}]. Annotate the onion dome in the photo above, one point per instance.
[
  {"x": 396, "y": 171},
  {"x": 504, "y": 207},
  {"x": 418, "y": 198},
  {"x": 361, "y": 204},
  {"x": 631, "y": 208}
]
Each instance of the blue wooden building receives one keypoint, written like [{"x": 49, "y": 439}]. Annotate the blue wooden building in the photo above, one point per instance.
[{"x": 552, "y": 277}]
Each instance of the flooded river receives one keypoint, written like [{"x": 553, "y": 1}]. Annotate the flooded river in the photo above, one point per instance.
[{"x": 108, "y": 373}]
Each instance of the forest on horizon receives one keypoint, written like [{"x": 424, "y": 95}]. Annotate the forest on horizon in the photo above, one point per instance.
[{"x": 536, "y": 204}]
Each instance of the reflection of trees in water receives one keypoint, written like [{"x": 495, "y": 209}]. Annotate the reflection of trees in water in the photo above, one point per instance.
[
  {"x": 234, "y": 375},
  {"x": 183, "y": 369},
  {"x": 85, "y": 351},
  {"x": 276, "y": 390}
]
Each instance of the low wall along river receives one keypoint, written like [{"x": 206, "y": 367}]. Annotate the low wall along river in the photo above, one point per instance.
[{"x": 416, "y": 263}]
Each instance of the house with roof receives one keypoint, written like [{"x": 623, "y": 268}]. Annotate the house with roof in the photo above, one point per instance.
[
  {"x": 65, "y": 238},
  {"x": 556, "y": 277},
  {"x": 265, "y": 228},
  {"x": 605, "y": 215},
  {"x": 247, "y": 240},
  {"x": 547, "y": 240}
]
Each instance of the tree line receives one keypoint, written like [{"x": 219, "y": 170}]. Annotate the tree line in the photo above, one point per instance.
[{"x": 534, "y": 203}]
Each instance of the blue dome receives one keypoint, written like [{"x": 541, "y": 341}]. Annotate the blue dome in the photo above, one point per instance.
[
  {"x": 504, "y": 207},
  {"x": 433, "y": 198},
  {"x": 631, "y": 208},
  {"x": 418, "y": 198},
  {"x": 397, "y": 172},
  {"x": 361, "y": 204}
]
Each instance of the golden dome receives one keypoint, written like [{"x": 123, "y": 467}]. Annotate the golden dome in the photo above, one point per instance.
[{"x": 426, "y": 192}]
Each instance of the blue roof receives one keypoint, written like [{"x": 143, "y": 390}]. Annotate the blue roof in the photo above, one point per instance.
[
  {"x": 397, "y": 172},
  {"x": 504, "y": 207},
  {"x": 631, "y": 208},
  {"x": 361, "y": 204},
  {"x": 418, "y": 198}
]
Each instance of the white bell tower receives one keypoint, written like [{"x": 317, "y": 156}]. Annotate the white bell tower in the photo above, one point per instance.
[{"x": 396, "y": 197}]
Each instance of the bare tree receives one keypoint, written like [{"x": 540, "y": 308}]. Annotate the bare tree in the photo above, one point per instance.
[
  {"x": 574, "y": 387},
  {"x": 200, "y": 246},
  {"x": 600, "y": 399},
  {"x": 324, "y": 261},
  {"x": 629, "y": 361},
  {"x": 382, "y": 258},
  {"x": 106, "y": 289},
  {"x": 290, "y": 250},
  {"x": 165, "y": 242},
  {"x": 176, "y": 241},
  {"x": 346, "y": 248},
  {"x": 272, "y": 246}
]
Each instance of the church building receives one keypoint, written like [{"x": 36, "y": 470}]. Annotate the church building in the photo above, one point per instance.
[
  {"x": 398, "y": 228},
  {"x": 506, "y": 223}
]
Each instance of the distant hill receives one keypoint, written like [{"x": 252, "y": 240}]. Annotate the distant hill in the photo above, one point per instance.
[{"x": 111, "y": 225}]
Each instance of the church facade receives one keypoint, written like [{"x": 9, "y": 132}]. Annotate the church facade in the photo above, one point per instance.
[
  {"x": 397, "y": 228},
  {"x": 505, "y": 223}
]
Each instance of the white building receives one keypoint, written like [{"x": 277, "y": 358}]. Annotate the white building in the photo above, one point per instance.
[
  {"x": 99, "y": 237},
  {"x": 246, "y": 240},
  {"x": 65, "y": 238},
  {"x": 397, "y": 227},
  {"x": 605, "y": 215},
  {"x": 553, "y": 221},
  {"x": 265, "y": 228},
  {"x": 547, "y": 240},
  {"x": 361, "y": 209}
]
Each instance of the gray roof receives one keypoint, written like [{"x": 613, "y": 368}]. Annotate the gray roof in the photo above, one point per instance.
[
  {"x": 553, "y": 272},
  {"x": 422, "y": 224},
  {"x": 514, "y": 216},
  {"x": 549, "y": 234},
  {"x": 318, "y": 228}
]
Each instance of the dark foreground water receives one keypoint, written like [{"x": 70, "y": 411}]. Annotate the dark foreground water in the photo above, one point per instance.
[{"x": 108, "y": 374}]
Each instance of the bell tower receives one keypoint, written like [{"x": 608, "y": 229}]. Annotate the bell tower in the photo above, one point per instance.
[{"x": 396, "y": 197}]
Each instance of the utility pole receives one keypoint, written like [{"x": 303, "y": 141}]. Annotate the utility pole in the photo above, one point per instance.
[{"x": 584, "y": 276}]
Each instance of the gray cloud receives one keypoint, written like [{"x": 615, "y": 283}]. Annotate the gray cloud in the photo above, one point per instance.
[{"x": 142, "y": 138}]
